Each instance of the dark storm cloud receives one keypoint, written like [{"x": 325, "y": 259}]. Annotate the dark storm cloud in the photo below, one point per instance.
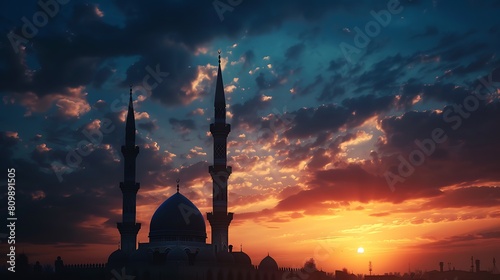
[
  {"x": 366, "y": 106},
  {"x": 364, "y": 188},
  {"x": 8, "y": 140},
  {"x": 308, "y": 88},
  {"x": 164, "y": 70},
  {"x": 194, "y": 23},
  {"x": 448, "y": 93},
  {"x": 12, "y": 74},
  {"x": 322, "y": 151},
  {"x": 401, "y": 131},
  {"x": 456, "y": 48},
  {"x": 182, "y": 125},
  {"x": 462, "y": 240},
  {"x": 76, "y": 59},
  {"x": 456, "y": 53},
  {"x": 244, "y": 113},
  {"x": 487, "y": 83},
  {"x": 54, "y": 211},
  {"x": 8, "y": 144},
  {"x": 445, "y": 61},
  {"x": 330, "y": 91},
  {"x": 383, "y": 73},
  {"x": 475, "y": 196},
  {"x": 449, "y": 40},
  {"x": 465, "y": 196},
  {"x": 149, "y": 126},
  {"x": 62, "y": 61},
  {"x": 295, "y": 51},
  {"x": 266, "y": 84},
  {"x": 57, "y": 219},
  {"x": 353, "y": 112},
  {"x": 396, "y": 128},
  {"x": 332, "y": 88},
  {"x": 469, "y": 152},
  {"x": 309, "y": 121},
  {"x": 186, "y": 21},
  {"x": 479, "y": 63}
]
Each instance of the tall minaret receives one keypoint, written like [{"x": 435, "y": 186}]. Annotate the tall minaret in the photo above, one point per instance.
[
  {"x": 128, "y": 227},
  {"x": 219, "y": 218}
]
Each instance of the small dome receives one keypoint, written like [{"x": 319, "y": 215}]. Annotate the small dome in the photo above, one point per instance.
[
  {"x": 225, "y": 258},
  {"x": 177, "y": 254},
  {"x": 268, "y": 263},
  {"x": 117, "y": 258},
  {"x": 242, "y": 259},
  {"x": 177, "y": 218},
  {"x": 142, "y": 255}
]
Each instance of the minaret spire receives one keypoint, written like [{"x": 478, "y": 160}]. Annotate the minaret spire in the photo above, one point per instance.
[
  {"x": 128, "y": 227},
  {"x": 219, "y": 218},
  {"x": 130, "y": 124},
  {"x": 220, "y": 98}
]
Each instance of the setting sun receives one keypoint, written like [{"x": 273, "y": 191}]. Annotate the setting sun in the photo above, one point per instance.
[{"x": 361, "y": 250}]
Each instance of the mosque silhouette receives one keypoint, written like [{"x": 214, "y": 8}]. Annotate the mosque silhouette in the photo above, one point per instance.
[{"x": 177, "y": 247}]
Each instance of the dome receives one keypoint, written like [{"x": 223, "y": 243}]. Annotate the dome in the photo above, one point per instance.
[
  {"x": 177, "y": 254},
  {"x": 177, "y": 219},
  {"x": 117, "y": 258},
  {"x": 225, "y": 258},
  {"x": 268, "y": 263},
  {"x": 241, "y": 258}
]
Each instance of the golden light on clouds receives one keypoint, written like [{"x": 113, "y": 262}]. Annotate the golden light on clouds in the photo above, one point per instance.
[{"x": 204, "y": 74}]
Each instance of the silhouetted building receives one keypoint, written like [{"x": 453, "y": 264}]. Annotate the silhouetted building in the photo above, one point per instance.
[
  {"x": 476, "y": 274},
  {"x": 37, "y": 268},
  {"x": 344, "y": 275},
  {"x": 58, "y": 265},
  {"x": 382, "y": 277}
]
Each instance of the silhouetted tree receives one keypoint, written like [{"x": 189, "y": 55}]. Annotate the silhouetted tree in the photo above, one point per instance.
[{"x": 310, "y": 265}]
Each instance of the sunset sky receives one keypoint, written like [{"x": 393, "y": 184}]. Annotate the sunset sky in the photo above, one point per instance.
[{"x": 371, "y": 124}]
